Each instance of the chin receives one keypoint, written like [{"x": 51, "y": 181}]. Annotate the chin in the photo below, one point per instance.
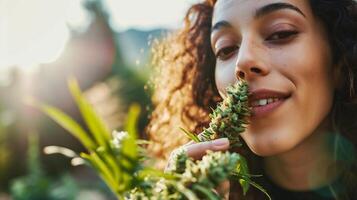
[
  {"x": 264, "y": 152},
  {"x": 269, "y": 147}
]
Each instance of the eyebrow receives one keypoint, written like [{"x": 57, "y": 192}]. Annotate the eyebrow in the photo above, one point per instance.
[
  {"x": 265, "y": 10},
  {"x": 220, "y": 25}
]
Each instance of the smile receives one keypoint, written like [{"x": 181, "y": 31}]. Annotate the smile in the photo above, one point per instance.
[
  {"x": 263, "y": 107},
  {"x": 264, "y": 101}
]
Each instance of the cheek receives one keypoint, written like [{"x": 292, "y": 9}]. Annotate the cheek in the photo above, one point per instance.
[
  {"x": 314, "y": 73},
  {"x": 314, "y": 79},
  {"x": 311, "y": 101},
  {"x": 224, "y": 76}
]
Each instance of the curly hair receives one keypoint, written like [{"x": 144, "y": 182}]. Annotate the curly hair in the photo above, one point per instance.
[{"x": 185, "y": 89}]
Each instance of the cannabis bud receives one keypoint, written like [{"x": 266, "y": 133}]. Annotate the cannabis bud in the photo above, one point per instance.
[{"x": 229, "y": 119}]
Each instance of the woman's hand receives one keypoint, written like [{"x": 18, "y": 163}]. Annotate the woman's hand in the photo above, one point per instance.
[{"x": 198, "y": 150}]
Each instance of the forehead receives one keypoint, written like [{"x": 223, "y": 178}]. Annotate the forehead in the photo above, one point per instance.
[{"x": 244, "y": 10}]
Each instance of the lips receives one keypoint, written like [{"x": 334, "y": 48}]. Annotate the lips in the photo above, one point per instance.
[
  {"x": 276, "y": 99},
  {"x": 266, "y": 94}
]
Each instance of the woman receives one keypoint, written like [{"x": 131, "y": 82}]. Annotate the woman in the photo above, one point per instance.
[{"x": 299, "y": 58}]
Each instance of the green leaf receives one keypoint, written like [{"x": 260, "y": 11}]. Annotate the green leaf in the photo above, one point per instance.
[
  {"x": 242, "y": 168},
  {"x": 246, "y": 178},
  {"x": 111, "y": 163},
  {"x": 103, "y": 170},
  {"x": 206, "y": 191},
  {"x": 95, "y": 124},
  {"x": 192, "y": 136},
  {"x": 148, "y": 172},
  {"x": 132, "y": 120},
  {"x": 67, "y": 123},
  {"x": 260, "y": 188},
  {"x": 183, "y": 190},
  {"x": 130, "y": 147}
]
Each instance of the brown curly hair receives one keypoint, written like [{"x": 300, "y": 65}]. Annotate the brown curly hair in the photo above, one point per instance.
[{"x": 185, "y": 89}]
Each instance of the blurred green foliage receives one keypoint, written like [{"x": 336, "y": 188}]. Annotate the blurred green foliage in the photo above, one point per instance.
[
  {"x": 12, "y": 145},
  {"x": 115, "y": 165},
  {"x": 4, "y": 152},
  {"x": 36, "y": 185}
]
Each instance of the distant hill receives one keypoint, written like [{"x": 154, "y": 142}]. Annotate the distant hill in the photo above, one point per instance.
[{"x": 135, "y": 45}]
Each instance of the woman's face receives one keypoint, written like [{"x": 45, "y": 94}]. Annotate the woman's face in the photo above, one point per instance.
[{"x": 276, "y": 45}]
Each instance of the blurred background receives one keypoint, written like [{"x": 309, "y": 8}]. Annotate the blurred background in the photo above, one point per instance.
[{"x": 106, "y": 45}]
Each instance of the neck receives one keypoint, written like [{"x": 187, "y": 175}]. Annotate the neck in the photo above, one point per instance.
[{"x": 307, "y": 166}]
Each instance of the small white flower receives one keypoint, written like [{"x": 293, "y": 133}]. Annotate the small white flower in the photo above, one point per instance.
[{"x": 118, "y": 137}]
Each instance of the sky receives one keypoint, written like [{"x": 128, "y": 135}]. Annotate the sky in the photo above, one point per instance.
[
  {"x": 146, "y": 14},
  {"x": 35, "y": 31}
]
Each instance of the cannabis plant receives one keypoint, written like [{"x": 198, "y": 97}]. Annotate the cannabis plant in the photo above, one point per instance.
[
  {"x": 118, "y": 157},
  {"x": 229, "y": 119}
]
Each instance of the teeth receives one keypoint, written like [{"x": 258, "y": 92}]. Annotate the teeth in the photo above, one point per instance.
[{"x": 263, "y": 102}]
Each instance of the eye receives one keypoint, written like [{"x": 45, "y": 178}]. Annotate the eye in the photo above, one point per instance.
[
  {"x": 226, "y": 52},
  {"x": 281, "y": 36}
]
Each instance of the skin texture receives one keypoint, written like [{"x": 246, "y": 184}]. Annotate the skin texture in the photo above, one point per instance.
[{"x": 287, "y": 51}]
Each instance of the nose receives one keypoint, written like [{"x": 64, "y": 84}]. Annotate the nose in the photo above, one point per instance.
[{"x": 250, "y": 61}]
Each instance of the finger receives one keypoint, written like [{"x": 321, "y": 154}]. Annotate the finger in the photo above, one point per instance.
[
  {"x": 197, "y": 150},
  {"x": 190, "y": 143}
]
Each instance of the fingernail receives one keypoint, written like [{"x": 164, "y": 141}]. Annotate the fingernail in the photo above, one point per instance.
[{"x": 220, "y": 142}]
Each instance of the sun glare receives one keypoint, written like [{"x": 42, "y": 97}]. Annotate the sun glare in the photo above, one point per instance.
[{"x": 34, "y": 32}]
